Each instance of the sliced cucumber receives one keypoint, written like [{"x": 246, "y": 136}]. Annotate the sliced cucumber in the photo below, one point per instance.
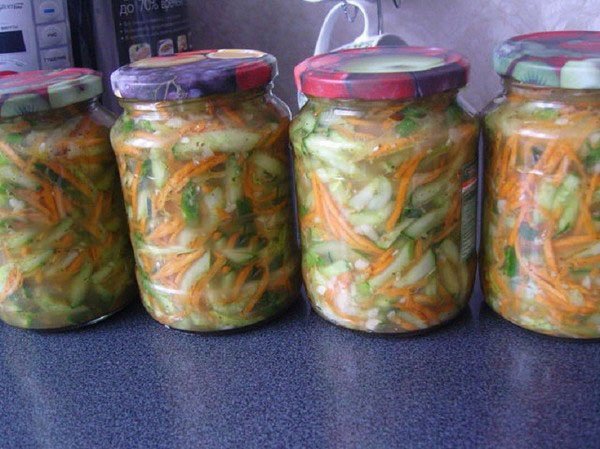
[
  {"x": 12, "y": 175},
  {"x": 426, "y": 223},
  {"x": 142, "y": 204},
  {"x": 375, "y": 195},
  {"x": 425, "y": 193},
  {"x": 569, "y": 215},
  {"x": 80, "y": 284},
  {"x": 5, "y": 271},
  {"x": 592, "y": 251},
  {"x": 334, "y": 251},
  {"x": 160, "y": 172},
  {"x": 565, "y": 191},
  {"x": 305, "y": 122},
  {"x": 240, "y": 256},
  {"x": 18, "y": 239},
  {"x": 423, "y": 268},
  {"x": 372, "y": 217},
  {"x": 57, "y": 233},
  {"x": 335, "y": 269},
  {"x": 545, "y": 195},
  {"x": 103, "y": 273},
  {"x": 193, "y": 274},
  {"x": 449, "y": 278},
  {"x": 269, "y": 164},
  {"x": 334, "y": 143},
  {"x": 233, "y": 184},
  {"x": 227, "y": 140},
  {"x": 450, "y": 250},
  {"x": 400, "y": 262},
  {"x": 387, "y": 239},
  {"x": 35, "y": 261},
  {"x": 329, "y": 152}
]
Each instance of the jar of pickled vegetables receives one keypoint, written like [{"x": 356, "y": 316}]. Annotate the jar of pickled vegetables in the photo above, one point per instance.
[
  {"x": 202, "y": 148},
  {"x": 65, "y": 257},
  {"x": 541, "y": 241},
  {"x": 386, "y": 173}
]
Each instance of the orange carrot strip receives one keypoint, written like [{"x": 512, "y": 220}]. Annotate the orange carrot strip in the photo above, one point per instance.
[
  {"x": 14, "y": 281},
  {"x": 196, "y": 292},
  {"x": 70, "y": 177},
  {"x": 549, "y": 254},
  {"x": 404, "y": 185},
  {"x": 240, "y": 280},
  {"x": 382, "y": 262}
]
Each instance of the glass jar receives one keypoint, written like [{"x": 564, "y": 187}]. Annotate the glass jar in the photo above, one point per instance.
[
  {"x": 65, "y": 258},
  {"x": 541, "y": 244},
  {"x": 386, "y": 174},
  {"x": 202, "y": 147}
]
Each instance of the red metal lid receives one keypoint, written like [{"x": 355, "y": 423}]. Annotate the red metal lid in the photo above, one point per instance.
[{"x": 382, "y": 73}]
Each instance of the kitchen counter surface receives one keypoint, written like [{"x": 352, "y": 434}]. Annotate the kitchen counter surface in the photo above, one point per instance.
[{"x": 297, "y": 382}]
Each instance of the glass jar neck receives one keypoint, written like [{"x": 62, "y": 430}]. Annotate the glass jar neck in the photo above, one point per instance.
[
  {"x": 136, "y": 107},
  {"x": 441, "y": 100},
  {"x": 64, "y": 112},
  {"x": 528, "y": 92}
]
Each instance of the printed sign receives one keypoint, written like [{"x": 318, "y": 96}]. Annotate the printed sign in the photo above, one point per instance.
[{"x": 148, "y": 28}]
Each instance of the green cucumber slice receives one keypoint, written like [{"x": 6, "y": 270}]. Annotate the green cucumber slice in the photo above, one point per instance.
[
  {"x": 400, "y": 262},
  {"x": 426, "y": 223},
  {"x": 227, "y": 140}
]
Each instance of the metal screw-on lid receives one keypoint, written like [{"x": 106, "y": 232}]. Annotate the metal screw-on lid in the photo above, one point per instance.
[
  {"x": 382, "y": 73},
  {"x": 194, "y": 74},
  {"x": 28, "y": 92},
  {"x": 565, "y": 59}
]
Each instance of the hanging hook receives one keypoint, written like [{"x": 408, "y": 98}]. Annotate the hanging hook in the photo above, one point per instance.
[
  {"x": 379, "y": 17},
  {"x": 350, "y": 11}
]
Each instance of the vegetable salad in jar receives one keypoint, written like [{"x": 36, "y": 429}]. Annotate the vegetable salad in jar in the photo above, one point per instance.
[
  {"x": 542, "y": 205},
  {"x": 65, "y": 258},
  {"x": 202, "y": 147},
  {"x": 386, "y": 172}
]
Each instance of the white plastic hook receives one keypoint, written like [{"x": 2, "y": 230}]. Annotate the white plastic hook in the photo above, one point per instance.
[{"x": 370, "y": 27}]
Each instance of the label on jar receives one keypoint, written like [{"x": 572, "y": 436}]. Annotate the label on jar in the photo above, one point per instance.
[
  {"x": 148, "y": 28},
  {"x": 468, "y": 216}
]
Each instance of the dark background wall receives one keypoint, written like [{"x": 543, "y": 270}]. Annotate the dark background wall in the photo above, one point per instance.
[{"x": 289, "y": 29}]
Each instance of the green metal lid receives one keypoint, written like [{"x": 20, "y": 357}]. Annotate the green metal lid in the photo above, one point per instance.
[
  {"x": 43, "y": 90},
  {"x": 565, "y": 59}
]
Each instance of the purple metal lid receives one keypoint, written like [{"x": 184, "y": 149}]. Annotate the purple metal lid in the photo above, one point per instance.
[{"x": 194, "y": 74}]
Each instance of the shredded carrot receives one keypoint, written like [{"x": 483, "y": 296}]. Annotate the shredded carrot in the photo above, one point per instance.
[
  {"x": 13, "y": 283},
  {"x": 64, "y": 173},
  {"x": 407, "y": 173},
  {"x": 563, "y": 302}
]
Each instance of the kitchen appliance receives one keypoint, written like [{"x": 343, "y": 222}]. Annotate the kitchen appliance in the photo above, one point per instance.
[
  {"x": 34, "y": 34},
  {"x": 126, "y": 31}
]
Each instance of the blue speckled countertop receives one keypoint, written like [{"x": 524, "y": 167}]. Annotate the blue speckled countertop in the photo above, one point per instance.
[{"x": 297, "y": 382}]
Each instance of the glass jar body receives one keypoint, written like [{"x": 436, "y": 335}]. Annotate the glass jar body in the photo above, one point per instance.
[
  {"x": 66, "y": 259},
  {"x": 207, "y": 188},
  {"x": 387, "y": 205},
  {"x": 541, "y": 251}
]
